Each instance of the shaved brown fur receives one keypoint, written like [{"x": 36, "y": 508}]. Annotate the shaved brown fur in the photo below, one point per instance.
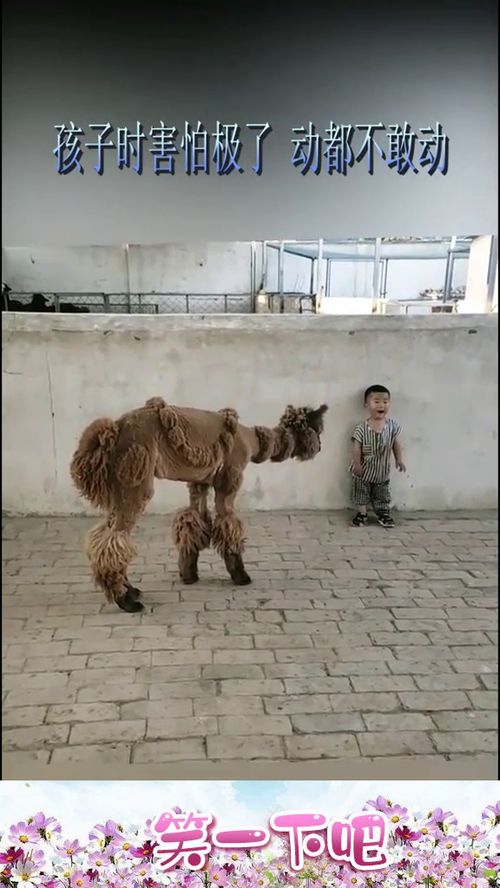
[{"x": 116, "y": 462}]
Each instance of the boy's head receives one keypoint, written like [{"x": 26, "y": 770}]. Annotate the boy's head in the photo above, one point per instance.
[{"x": 377, "y": 400}]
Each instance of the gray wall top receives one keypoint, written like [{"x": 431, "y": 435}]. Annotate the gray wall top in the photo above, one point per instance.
[{"x": 159, "y": 325}]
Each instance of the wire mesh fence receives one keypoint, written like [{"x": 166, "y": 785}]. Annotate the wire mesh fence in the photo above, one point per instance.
[{"x": 135, "y": 303}]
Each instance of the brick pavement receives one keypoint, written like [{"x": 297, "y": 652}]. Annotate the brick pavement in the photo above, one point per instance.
[{"x": 351, "y": 644}]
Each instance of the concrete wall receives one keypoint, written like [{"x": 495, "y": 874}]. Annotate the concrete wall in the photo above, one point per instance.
[
  {"x": 494, "y": 301},
  {"x": 60, "y": 372},
  {"x": 204, "y": 268},
  {"x": 169, "y": 268}
]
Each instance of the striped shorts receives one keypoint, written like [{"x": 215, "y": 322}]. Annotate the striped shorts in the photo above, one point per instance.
[{"x": 378, "y": 493}]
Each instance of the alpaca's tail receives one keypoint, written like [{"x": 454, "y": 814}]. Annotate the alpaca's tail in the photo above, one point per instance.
[{"x": 90, "y": 464}]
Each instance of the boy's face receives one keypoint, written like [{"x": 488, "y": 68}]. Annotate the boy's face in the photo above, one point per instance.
[{"x": 378, "y": 404}]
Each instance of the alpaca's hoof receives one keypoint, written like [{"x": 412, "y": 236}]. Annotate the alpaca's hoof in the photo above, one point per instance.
[
  {"x": 130, "y": 604},
  {"x": 241, "y": 579},
  {"x": 189, "y": 579},
  {"x": 132, "y": 591},
  {"x": 236, "y": 569}
]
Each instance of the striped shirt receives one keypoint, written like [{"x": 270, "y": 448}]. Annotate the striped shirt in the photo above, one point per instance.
[{"x": 376, "y": 449}]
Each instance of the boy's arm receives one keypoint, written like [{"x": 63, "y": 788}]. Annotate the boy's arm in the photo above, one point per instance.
[
  {"x": 356, "y": 456},
  {"x": 398, "y": 452}
]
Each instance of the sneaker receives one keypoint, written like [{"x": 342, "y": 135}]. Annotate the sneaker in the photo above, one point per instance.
[
  {"x": 385, "y": 519},
  {"x": 359, "y": 520}
]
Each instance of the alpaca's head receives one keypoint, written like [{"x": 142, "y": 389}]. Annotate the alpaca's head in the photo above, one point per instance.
[{"x": 306, "y": 425}]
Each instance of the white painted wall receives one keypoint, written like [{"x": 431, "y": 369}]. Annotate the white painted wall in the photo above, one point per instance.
[
  {"x": 476, "y": 292},
  {"x": 346, "y": 305},
  {"x": 62, "y": 371},
  {"x": 169, "y": 268},
  {"x": 190, "y": 268},
  {"x": 68, "y": 269},
  {"x": 494, "y": 301},
  {"x": 406, "y": 278}
]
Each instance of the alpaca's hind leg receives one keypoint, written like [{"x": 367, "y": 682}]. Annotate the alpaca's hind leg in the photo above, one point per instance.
[
  {"x": 228, "y": 538},
  {"x": 192, "y": 531},
  {"x": 110, "y": 550},
  {"x": 132, "y": 591}
]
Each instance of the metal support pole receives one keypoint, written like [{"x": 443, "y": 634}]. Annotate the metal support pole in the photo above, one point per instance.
[
  {"x": 253, "y": 274},
  {"x": 328, "y": 277},
  {"x": 319, "y": 269},
  {"x": 448, "y": 275},
  {"x": 127, "y": 259},
  {"x": 383, "y": 288},
  {"x": 281, "y": 275},
  {"x": 264, "y": 266},
  {"x": 376, "y": 269},
  {"x": 311, "y": 280},
  {"x": 492, "y": 272},
  {"x": 281, "y": 267}
]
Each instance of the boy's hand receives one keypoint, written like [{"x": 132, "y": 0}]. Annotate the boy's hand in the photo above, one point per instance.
[
  {"x": 358, "y": 469},
  {"x": 400, "y": 466}
]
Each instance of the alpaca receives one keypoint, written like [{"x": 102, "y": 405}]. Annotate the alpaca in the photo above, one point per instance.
[{"x": 116, "y": 462}]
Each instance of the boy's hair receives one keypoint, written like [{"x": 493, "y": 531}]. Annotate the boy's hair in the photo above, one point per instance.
[{"x": 376, "y": 389}]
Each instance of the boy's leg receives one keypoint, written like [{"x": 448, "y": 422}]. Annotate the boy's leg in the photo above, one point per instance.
[
  {"x": 381, "y": 501},
  {"x": 360, "y": 498}
]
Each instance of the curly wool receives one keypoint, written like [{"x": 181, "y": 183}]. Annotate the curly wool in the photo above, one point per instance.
[
  {"x": 228, "y": 537},
  {"x": 89, "y": 467},
  {"x": 191, "y": 531}
]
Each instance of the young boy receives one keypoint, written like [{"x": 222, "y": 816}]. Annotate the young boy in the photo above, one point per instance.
[{"x": 373, "y": 442}]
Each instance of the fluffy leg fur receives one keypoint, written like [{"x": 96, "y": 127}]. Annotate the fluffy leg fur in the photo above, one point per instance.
[
  {"x": 110, "y": 549},
  {"x": 132, "y": 591},
  {"x": 228, "y": 538},
  {"x": 192, "y": 531}
]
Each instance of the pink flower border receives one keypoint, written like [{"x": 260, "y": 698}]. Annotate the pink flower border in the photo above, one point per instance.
[{"x": 425, "y": 850}]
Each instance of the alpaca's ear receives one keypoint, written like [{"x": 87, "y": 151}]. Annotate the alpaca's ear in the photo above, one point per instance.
[
  {"x": 315, "y": 418},
  {"x": 319, "y": 413}
]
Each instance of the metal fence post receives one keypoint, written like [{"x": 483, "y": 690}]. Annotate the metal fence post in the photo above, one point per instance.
[
  {"x": 328, "y": 277},
  {"x": 319, "y": 269},
  {"x": 253, "y": 273},
  {"x": 448, "y": 273},
  {"x": 281, "y": 275},
  {"x": 376, "y": 269}
]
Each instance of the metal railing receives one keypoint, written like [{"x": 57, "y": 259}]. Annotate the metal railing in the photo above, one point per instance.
[{"x": 136, "y": 303}]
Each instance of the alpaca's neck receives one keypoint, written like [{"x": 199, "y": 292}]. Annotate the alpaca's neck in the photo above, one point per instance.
[{"x": 276, "y": 444}]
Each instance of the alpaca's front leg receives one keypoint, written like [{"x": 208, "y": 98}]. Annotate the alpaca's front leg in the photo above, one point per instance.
[
  {"x": 228, "y": 538},
  {"x": 192, "y": 532}
]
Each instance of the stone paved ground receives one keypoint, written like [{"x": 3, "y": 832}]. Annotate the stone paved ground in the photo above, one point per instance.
[{"x": 351, "y": 643}]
